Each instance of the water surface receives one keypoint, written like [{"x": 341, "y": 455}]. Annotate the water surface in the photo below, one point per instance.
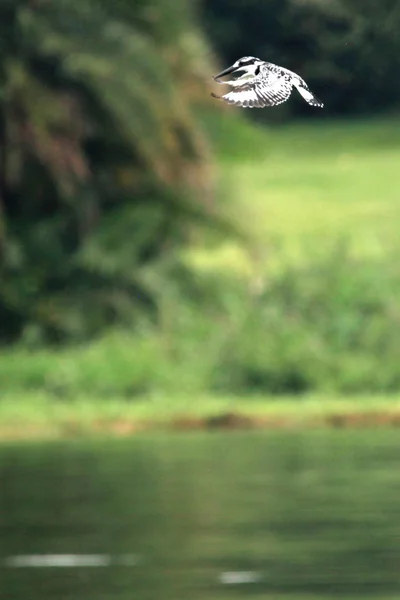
[{"x": 311, "y": 515}]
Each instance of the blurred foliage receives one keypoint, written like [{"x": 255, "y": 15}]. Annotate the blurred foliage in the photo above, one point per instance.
[
  {"x": 330, "y": 327},
  {"x": 104, "y": 166},
  {"x": 347, "y": 50},
  {"x": 106, "y": 171}
]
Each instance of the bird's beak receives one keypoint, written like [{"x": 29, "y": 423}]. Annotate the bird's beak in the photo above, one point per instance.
[{"x": 225, "y": 72}]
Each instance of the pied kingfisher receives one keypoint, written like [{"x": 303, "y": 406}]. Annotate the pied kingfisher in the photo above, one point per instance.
[{"x": 262, "y": 84}]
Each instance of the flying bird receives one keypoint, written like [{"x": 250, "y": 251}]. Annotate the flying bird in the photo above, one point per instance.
[{"x": 262, "y": 84}]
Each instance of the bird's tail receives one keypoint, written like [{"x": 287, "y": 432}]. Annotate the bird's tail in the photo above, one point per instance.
[{"x": 307, "y": 94}]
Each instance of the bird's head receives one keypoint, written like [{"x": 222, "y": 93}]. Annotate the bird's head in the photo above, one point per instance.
[{"x": 248, "y": 64}]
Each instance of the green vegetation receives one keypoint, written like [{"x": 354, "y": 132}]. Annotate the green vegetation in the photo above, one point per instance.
[
  {"x": 41, "y": 415},
  {"x": 156, "y": 244},
  {"x": 310, "y": 308},
  {"x": 105, "y": 168},
  {"x": 306, "y": 189}
]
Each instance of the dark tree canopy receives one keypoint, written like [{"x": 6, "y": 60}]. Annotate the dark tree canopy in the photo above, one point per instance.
[
  {"x": 104, "y": 165},
  {"x": 346, "y": 49}
]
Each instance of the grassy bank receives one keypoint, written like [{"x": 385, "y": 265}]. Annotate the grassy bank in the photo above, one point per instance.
[
  {"x": 37, "y": 415},
  {"x": 304, "y": 187},
  {"x": 266, "y": 337}
]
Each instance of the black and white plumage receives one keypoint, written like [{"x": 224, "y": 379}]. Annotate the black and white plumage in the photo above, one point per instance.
[{"x": 262, "y": 84}]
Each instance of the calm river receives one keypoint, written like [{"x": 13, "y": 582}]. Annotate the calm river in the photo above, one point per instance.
[{"x": 312, "y": 515}]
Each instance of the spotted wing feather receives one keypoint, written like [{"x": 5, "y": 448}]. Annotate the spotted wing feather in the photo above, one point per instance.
[
  {"x": 261, "y": 92},
  {"x": 298, "y": 82}
]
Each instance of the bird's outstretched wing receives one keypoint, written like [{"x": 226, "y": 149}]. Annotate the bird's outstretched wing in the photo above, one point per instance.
[
  {"x": 307, "y": 94},
  {"x": 259, "y": 93},
  {"x": 298, "y": 83}
]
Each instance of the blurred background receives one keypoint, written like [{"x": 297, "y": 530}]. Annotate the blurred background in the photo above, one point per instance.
[{"x": 169, "y": 262}]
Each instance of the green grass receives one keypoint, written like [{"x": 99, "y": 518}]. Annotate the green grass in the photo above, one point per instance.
[
  {"x": 304, "y": 188},
  {"x": 39, "y": 415},
  {"x": 301, "y": 190}
]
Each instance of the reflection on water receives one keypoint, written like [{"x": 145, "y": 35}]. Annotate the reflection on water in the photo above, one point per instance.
[
  {"x": 40, "y": 561},
  {"x": 301, "y": 515}
]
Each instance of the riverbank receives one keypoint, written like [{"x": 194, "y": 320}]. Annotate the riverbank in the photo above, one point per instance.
[
  {"x": 312, "y": 307},
  {"x": 37, "y": 416}
]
